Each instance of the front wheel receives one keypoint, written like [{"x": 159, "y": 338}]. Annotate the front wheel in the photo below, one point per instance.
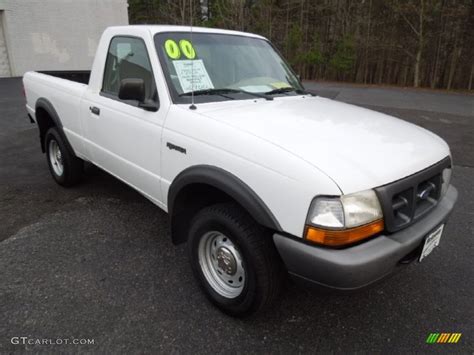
[{"x": 234, "y": 260}]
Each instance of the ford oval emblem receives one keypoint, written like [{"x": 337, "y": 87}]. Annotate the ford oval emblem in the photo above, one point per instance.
[{"x": 423, "y": 195}]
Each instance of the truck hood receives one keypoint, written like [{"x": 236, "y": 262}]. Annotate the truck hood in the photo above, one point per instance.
[{"x": 357, "y": 148}]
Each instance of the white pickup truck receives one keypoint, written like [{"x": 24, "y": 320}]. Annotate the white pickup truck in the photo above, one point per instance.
[{"x": 258, "y": 176}]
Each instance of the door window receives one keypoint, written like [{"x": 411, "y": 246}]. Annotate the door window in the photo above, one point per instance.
[{"x": 127, "y": 58}]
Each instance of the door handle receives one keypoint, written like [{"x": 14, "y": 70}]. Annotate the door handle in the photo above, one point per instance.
[{"x": 95, "y": 110}]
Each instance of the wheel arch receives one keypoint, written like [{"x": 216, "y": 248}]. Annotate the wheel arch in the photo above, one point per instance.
[
  {"x": 47, "y": 117},
  {"x": 200, "y": 186}
]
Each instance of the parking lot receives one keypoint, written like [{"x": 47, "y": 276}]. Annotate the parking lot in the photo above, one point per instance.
[{"x": 96, "y": 261}]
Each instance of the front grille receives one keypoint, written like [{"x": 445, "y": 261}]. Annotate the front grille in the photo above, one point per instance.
[{"x": 407, "y": 200}]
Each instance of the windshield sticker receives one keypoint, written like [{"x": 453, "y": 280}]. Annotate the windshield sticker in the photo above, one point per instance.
[
  {"x": 172, "y": 49},
  {"x": 192, "y": 75},
  {"x": 256, "y": 88},
  {"x": 280, "y": 85},
  {"x": 187, "y": 49}
]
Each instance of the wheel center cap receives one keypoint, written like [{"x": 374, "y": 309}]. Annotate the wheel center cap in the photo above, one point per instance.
[{"x": 226, "y": 261}]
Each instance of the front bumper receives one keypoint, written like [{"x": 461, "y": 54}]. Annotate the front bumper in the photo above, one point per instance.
[{"x": 363, "y": 264}]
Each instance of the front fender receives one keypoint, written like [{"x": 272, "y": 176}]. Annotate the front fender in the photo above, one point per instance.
[{"x": 227, "y": 183}]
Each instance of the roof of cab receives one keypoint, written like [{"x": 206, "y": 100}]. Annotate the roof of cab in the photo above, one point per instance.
[{"x": 170, "y": 28}]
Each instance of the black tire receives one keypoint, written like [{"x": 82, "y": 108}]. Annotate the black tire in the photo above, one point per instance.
[
  {"x": 261, "y": 262},
  {"x": 72, "y": 166}
]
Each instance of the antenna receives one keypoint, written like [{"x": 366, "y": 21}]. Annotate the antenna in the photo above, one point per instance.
[{"x": 193, "y": 106}]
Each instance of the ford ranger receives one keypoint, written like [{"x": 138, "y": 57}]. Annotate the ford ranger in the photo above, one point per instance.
[{"x": 259, "y": 177}]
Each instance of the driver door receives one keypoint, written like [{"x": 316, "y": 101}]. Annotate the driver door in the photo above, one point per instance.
[{"x": 124, "y": 139}]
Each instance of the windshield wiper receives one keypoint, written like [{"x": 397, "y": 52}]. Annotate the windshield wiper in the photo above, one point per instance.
[
  {"x": 283, "y": 91},
  {"x": 224, "y": 91},
  {"x": 221, "y": 92}
]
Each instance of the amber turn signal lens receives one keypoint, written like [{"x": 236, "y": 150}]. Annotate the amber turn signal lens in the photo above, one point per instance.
[{"x": 336, "y": 238}]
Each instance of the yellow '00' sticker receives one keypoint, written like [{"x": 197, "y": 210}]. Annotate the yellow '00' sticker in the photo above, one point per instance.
[
  {"x": 187, "y": 49},
  {"x": 174, "y": 51}
]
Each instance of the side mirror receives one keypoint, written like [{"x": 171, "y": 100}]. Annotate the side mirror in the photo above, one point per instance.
[{"x": 132, "y": 89}]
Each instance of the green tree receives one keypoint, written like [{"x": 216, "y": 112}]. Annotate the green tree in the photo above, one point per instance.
[
  {"x": 344, "y": 58},
  {"x": 402, "y": 42},
  {"x": 293, "y": 45}
]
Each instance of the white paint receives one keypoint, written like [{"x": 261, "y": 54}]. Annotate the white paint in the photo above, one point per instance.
[
  {"x": 287, "y": 151},
  {"x": 337, "y": 138}
]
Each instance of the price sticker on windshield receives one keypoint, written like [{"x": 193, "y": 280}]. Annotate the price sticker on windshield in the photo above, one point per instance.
[{"x": 192, "y": 75}]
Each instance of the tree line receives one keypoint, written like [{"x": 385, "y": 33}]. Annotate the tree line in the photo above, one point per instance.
[{"x": 420, "y": 43}]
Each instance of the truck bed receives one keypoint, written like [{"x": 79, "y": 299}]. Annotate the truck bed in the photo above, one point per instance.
[
  {"x": 63, "y": 90},
  {"x": 79, "y": 76}
]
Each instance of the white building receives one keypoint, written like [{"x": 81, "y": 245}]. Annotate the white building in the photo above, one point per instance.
[{"x": 54, "y": 34}]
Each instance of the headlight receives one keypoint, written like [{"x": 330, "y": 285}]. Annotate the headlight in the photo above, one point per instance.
[
  {"x": 337, "y": 221},
  {"x": 326, "y": 212},
  {"x": 361, "y": 208},
  {"x": 446, "y": 180}
]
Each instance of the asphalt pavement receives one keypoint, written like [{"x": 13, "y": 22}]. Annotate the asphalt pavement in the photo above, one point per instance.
[{"x": 95, "y": 262}]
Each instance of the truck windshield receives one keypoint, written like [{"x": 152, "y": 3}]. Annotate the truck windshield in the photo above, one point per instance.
[{"x": 223, "y": 67}]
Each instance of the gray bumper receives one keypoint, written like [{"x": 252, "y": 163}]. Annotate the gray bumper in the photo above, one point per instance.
[{"x": 363, "y": 264}]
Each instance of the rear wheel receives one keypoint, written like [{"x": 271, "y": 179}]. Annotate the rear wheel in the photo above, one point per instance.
[
  {"x": 64, "y": 166},
  {"x": 234, "y": 260}
]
